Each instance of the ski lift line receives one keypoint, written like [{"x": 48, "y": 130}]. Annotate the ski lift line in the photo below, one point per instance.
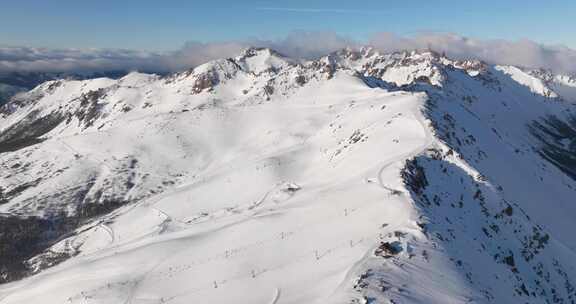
[
  {"x": 232, "y": 253},
  {"x": 151, "y": 270},
  {"x": 308, "y": 256},
  {"x": 245, "y": 247},
  {"x": 199, "y": 180},
  {"x": 230, "y": 165},
  {"x": 143, "y": 277},
  {"x": 317, "y": 256},
  {"x": 235, "y": 252},
  {"x": 239, "y": 251},
  {"x": 248, "y": 207},
  {"x": 283, "y": 235},
  {"x": 254, "y": 273},
  {"x": 251, "y": 206}
]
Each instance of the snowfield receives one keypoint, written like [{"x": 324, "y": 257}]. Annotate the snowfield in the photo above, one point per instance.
[{"x": 356, "y": 178}]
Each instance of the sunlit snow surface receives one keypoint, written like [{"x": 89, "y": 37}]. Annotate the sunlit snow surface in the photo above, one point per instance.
[{"x": 283, "y": 196}]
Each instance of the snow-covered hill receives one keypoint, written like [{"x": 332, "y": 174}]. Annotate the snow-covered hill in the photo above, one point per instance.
[
  {"x": 12, "y": 83},
  {"x": 357, "y": 178}
]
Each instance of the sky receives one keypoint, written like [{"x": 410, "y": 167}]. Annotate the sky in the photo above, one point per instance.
[
  {"x": 166, "y": 36},
  {"x": 167, "y": 25}
]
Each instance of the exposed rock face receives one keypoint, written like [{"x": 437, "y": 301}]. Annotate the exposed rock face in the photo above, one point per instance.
[
  {"x": 24, "y": 238},
  {"x": 89, "y": 110},
  {"x": 558, "y": 141},
  {"x": 452, "y": 161},
  {"x": 28, "y": 131},
  {"x": 388, "y": 249},
  {"x": 203, "y": 82}
]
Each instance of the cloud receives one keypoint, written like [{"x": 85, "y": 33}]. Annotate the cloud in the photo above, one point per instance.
[
  {"x": 524, "y": 53},
  {"x": 26, "y": 59},
  {"x": 195, "y": 53},
  {"x": 305, "y": 45},
  {"x": 308, "y": 45},
  {"x": 301, "y": 44},
  {"x": 298, "y": 44}
]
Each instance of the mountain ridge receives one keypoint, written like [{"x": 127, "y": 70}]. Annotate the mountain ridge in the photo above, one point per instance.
[{"x": 420, "y": 139}]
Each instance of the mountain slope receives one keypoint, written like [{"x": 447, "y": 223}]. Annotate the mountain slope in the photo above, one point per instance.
[
  {"x": 356, "y": 178},
  {"x": 12, "y": 83}
]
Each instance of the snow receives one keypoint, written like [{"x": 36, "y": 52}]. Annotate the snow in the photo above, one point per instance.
[
  {"x": 250, "y": 210},
  {"x": 535, "y": 84},
  {"x": 245, "y": 194},
  {"x": 261, "y": 60},
  {"x": 565, "y": 86}
]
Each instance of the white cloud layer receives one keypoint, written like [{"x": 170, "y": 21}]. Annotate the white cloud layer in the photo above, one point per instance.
[
  {"x": 26, "y": 59},
  {"x": 523, "y": 53},
  {"x": 298, "y": 45}
]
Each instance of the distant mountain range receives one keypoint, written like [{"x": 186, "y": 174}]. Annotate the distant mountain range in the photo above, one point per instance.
[{"x": 360, "y": 177}]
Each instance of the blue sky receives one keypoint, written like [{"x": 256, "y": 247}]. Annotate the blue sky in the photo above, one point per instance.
[{"x": 166, "y": 25}]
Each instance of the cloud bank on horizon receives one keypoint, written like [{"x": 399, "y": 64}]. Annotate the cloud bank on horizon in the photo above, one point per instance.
[{"x": 305, "y": 45}]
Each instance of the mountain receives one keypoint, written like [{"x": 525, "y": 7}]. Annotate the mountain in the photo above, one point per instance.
[
  {"x": 15, "y": 82},
  {"x": 359, "y": 177}
]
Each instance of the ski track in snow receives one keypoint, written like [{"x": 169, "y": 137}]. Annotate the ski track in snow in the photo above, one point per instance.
[
  {"x": 231, "y": 221},
  {"x": 277, "y": 293},
  {"x": 109, "y": 231},
  {"x": 426, "y": 144},
  {"x": 249, "y": 186}
]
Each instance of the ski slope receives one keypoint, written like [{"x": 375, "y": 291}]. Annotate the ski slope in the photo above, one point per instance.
[
  {"x": 243, "y": 219},
  {"x": 357, "y": 178}
]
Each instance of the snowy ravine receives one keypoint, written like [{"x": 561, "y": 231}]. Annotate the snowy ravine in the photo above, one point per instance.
[{"x": 356, "y": 178}]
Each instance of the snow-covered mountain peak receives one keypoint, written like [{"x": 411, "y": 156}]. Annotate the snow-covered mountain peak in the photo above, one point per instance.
[
  {"x": 402, "y": 67},
  {"x": 137, "y": 79},
  {"x": 259, "y": 60},
  {"x": 568, "y": 80},
  {"x": 360, "y": 177},
  {"x": 533, "y": 81},
  {"x": 562, "y": 85}
]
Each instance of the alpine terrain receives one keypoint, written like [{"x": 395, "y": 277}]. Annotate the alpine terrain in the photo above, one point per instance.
[
  {"x": 360, "y": 177},
  {"x": 12, "y": 83}
]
